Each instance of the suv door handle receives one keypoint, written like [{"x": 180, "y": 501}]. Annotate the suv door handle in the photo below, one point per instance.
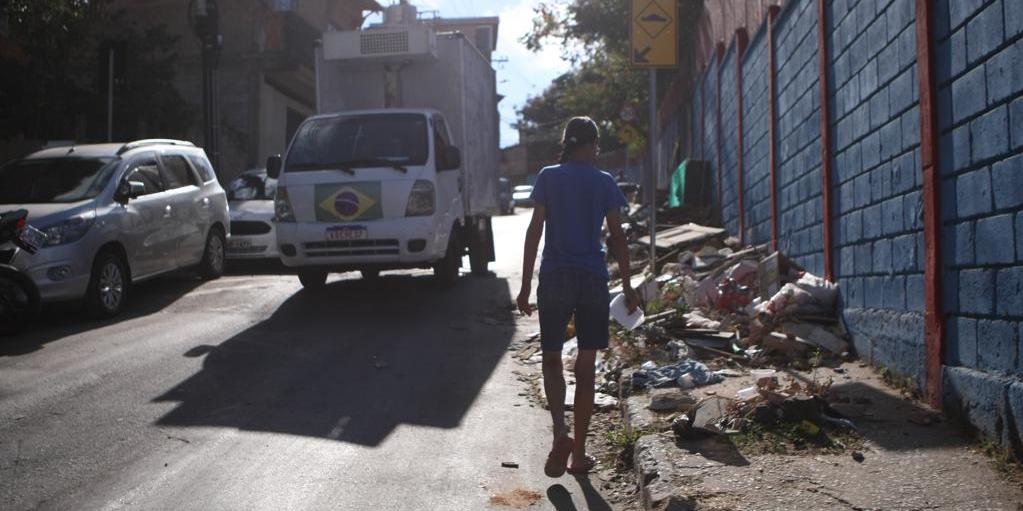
[{"x": 167, "y": 211}]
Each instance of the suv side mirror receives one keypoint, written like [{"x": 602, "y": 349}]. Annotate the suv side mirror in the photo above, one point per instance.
[
  {"x": 452, "y": 159},
  {"x": 130, "y": 190},
  {"x": 273, "y": 166}
]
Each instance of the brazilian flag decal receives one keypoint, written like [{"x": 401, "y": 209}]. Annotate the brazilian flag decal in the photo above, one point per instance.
[{"x": 348, "y": 202}]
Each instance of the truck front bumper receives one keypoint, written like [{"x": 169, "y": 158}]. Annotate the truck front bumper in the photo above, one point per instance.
[{"x": 391, "y": 243}]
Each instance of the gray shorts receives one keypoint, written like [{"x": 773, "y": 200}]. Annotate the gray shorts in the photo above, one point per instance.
[{"x": 567, "y": 291}]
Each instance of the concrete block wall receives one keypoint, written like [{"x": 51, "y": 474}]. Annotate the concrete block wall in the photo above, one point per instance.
[
  {"x": 876, "y": 192},
  {"x": 979, "y": 68},
  {"x": 800, "y": 215},
  {"x": 876, "y": 180},
  {"x": 757, "y": 169},
  {"x": 729, "y": 143}
]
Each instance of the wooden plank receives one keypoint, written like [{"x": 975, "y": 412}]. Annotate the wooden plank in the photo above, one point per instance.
[{"x": 683, "y": 234}]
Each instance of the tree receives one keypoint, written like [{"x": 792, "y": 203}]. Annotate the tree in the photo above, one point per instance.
[
  {"x": 593, "y": 35},
  {"x": 51, "y": 87}
]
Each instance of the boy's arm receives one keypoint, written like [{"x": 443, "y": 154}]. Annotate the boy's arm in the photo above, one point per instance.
[
  {"x": 533, "y": 234},
  {"x": 620, "y": 251}
]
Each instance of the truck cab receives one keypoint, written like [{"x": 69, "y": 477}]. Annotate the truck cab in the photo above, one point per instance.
[{"x": 371, "y": 190}]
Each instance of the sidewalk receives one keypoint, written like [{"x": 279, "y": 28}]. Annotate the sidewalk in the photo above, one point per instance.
[{"x": 911, "y": 458}]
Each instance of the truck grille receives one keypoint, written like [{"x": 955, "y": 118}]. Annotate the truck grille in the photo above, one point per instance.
[
  {"x": 351, "y": 248},
  {"x": 249, "y": 228},
  {"x": 383, "y": 43}
]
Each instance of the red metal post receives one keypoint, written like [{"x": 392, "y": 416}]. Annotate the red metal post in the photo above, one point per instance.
[
  {"x": 934, "y": 318},
  {"x": 717, "y": 117},
  {"x": 772, "y": 135},
  {"x": 741, "y": 41},
  {"x": 822, "y": 60}
]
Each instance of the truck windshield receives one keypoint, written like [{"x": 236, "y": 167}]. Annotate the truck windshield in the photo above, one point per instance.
[
  {"x": 54, "y": 180},
  {"x": 377, "y": 140}
]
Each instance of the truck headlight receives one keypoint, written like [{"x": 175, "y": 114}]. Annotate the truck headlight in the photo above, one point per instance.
[
  {"x": 282, "y": 206},
  {"x": 68, "y": 231},
  {"x": 422, "y": 199}
]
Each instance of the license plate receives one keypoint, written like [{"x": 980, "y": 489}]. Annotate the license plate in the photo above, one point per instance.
[
  {"x": 31, "y": 238},
  {"x": 239, "y": 244},
  {"x": 346, "y": 233}
]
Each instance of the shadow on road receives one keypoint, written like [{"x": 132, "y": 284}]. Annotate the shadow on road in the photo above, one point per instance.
[
  {"x": 60, "y": 320},
  {"x": 353, "y": 361}
]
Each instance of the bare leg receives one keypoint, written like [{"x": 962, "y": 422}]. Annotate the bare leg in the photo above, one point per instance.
[
  {"x": 554, "y": 388},
  {"x": 583, "y": 407}
]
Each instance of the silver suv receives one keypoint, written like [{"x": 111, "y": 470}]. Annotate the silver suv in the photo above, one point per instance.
[{"x": 116, "y": 214}]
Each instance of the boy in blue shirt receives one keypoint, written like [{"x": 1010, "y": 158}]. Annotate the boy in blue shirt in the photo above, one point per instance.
[{"x": 572, "y": 200}]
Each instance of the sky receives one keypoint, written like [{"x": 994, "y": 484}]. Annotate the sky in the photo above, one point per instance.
[{"x": 525, "y": 73}]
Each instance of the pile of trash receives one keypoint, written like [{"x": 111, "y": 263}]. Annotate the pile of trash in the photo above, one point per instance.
[
  {"x": 801, "y": 406},
  {"x": 711, "y": 298},
  {"x": 716, "y": 309}
]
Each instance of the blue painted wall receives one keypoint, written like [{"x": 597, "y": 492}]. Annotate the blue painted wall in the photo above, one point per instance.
[
  {"x": 876, "y": 178},
  {"x": 979, "y": 67},
  {"x": 800, "y": 232},
  {"x": 729, "y": 143},
  {"x": 710, "y": 151},
  {"x": 756, "y": 163}
]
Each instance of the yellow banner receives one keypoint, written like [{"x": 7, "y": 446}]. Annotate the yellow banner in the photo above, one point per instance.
[{"x": 654, "y": 33}]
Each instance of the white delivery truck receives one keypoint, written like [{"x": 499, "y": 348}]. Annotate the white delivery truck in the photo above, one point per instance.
[{"x": 399, "y": 167}]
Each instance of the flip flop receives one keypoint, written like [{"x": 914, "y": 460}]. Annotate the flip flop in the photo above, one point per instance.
[
  {"x": 557, "y": 459},
  {"x": 588, "y": 465}
]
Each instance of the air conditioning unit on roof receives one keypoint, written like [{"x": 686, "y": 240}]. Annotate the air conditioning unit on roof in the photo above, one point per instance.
[{"x": 381, "y": 45}]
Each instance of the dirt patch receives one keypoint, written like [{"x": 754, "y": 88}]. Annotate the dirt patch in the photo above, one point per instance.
[{"x": 518, "y": 498}]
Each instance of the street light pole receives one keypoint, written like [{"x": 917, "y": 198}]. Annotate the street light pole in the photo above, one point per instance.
[{"x": 110, "y": 94}]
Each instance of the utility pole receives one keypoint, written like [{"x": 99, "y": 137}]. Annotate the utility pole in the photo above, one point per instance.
[
  {"x": 206, "y": 23},
  {"x": 652, "y": 143}
]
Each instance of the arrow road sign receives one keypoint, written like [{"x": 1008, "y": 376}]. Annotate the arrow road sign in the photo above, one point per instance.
[{"x": 639, "y": 56}]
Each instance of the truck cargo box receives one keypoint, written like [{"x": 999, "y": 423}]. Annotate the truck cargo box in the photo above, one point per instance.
[{"x": 440, "y": 71}]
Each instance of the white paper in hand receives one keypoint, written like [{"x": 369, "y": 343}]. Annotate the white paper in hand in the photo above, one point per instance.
[{"x": 620, "y": 313}]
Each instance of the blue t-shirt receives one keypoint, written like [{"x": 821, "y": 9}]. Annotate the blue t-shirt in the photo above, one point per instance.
[{"x": 576, "y": 197}]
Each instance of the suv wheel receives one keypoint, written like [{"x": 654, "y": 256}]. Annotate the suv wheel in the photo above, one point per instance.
[
  {"x": 212, "y": 265},
  {"x": 108, "y": 286},
  {"x": 312, "y": 279}
]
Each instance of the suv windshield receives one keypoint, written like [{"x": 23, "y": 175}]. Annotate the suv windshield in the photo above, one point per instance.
[
  {"x": 252, "y": 187},
  {"x": 353, "y": 141},
  {"x": 54, "y": 180}
]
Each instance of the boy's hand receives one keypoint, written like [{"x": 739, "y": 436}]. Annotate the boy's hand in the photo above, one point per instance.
[
  {"x": 523, "y": 302},
  {"x": 631, "y": 299}
]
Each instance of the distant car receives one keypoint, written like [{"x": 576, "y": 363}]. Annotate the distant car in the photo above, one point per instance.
[
  {"x": 521, "y": 196},
  {"x": 114, "y": 215},
  {"x": 251, "y": 197},
  {"x": 504, "y": 196}
]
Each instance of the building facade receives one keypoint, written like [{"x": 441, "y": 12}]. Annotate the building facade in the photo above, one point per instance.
[{"x": 266, "y": 76}]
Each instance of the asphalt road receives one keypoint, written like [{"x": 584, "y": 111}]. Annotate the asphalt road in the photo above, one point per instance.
[{"x": 249, "y": 393}]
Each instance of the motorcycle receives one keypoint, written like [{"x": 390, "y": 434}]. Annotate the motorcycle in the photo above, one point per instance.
[{"x": 19, "y": 296}]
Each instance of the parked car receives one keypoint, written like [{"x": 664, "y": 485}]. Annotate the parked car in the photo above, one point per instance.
[
  {"x": 504, "y": 196},
  {"x": 251, "y": 199},
  {"x": 115, "y": 215},
  {"x": 522, "y": 196}
]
